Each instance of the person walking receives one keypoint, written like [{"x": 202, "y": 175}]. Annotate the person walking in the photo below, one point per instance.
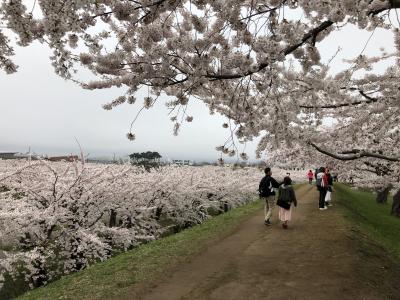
[
  {"x": 322, "y": 186},
  {"x": 330, "y": 177},
  {"x": 335, "y": 178},
  {"x": 286, "y": 197},
  {"x": 267, "y": 194},
  {"x": 310, "y": 176},
  {"x": 328, "y": 197}
]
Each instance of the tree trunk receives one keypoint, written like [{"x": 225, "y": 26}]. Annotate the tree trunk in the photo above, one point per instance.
[
  {"x": 395, "y": 3},
  {"x": 113, "y": 218},
  {"x": 396, "y": 204},
  {"x": 382, "y": 195},
  {"x": 226, "y": 206}
]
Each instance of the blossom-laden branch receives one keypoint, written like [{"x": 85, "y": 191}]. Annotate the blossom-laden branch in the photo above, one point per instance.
[
  {"x": 354, "y": 154},
  {"x": 312, "y": 34},
  {"x": 340, "y": 105}
]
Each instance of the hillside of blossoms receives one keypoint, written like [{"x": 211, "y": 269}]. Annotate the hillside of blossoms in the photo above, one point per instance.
[{"x": 59, "y": 217}]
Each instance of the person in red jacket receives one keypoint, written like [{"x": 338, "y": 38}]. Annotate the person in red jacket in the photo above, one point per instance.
[{"x": 310, "y": 176}]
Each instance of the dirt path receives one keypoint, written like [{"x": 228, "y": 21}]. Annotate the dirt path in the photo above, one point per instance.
[{"x": 314, "y": 259}]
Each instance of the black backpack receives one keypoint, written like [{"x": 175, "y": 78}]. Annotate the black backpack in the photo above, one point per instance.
[
  {"x": 284, "y": 195},
  {"x": 319, "y": 182},
  {"x": 266, "y": 189}
]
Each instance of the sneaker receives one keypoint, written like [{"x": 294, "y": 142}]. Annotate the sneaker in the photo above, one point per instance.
[
  {"x": 267, "y": 222},
  {"x": 323, "y": 208}
]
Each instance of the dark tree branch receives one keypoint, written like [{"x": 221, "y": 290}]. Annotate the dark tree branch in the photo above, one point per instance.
[
  {"x": 312, "y": 34},
  {"x": 287, "y": 51},
  {"x": 353, "y": 154},
  {"x": 369, "y": 100},
  {"x": 270, "y": 9},
  {"x": 393, "y": 4},
  {"x": 380, "y": 169},
  {"x": 367, "y": 170}
]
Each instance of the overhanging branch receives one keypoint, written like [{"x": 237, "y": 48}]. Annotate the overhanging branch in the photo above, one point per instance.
[
  {"x": 312, "y": 33},
  {"x": 290, "y": 49},
  {"x": 393, "y": 4},
  {"x": 354, "y": 154},
  {"x": 362, "y": 93}
]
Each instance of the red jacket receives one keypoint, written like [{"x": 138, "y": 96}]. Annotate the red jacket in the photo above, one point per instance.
[{"x": 325, "y": 181}]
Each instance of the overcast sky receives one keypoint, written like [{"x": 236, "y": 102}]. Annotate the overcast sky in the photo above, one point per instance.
[{"x": 44, "y": 112}]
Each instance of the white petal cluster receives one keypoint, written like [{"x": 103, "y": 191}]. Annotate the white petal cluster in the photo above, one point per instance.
[{"x": 60, "y": 217}]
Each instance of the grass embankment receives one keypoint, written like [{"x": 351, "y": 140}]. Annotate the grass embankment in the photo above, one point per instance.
[
  {"x": 371, "y": 218},
  {"x": 376, "y": 236},
  {"x": 115, "y": 276}
]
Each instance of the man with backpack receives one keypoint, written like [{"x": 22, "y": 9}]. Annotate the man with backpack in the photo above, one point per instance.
[
  {"x": 322, "y": 186},
  {"x": 267, "y": 193}
]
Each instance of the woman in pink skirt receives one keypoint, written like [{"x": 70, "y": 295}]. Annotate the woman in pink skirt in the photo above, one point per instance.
[{"x": 286, "y": 197}]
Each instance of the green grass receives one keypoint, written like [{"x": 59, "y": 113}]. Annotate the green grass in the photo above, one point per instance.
[
  {"x": 371, "y": 218},
  {"x": 117, "y": 275}
]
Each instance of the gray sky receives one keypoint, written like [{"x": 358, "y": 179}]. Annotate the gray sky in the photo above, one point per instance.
[{"x": 41, "y": 110}]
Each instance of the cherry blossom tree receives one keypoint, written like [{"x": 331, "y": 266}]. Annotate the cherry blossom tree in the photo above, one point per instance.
[
  {"x": 59, "y": 217},
  {"x": 255, "y": 61},
  {"x": 375, "y": 174}
]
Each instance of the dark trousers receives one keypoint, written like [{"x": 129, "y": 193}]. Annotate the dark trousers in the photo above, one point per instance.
[{"x": 322, "y": 194}]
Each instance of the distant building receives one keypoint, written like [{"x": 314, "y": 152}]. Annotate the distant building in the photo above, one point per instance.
[
  {"x": 182, "y": 162},
  {"x": 8, "y": 155},
  {"x": 69, "y": 158},
  {"x": 17, "y": 155}
]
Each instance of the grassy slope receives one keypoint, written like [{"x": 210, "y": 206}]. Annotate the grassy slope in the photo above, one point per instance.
[
  {"x": 114, "y": 276},
  {"x": 371, "y": 218},
  {"x": 376, "y": 234}
]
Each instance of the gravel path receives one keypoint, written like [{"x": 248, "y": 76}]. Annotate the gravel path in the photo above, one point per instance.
[{"x": 313, "y": 259}]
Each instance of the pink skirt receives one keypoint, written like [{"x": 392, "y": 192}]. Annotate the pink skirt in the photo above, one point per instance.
[{"x": 284, "y": 214}]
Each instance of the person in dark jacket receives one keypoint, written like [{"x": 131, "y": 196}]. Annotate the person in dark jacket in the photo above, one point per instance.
[
  {"x": 322, "y": 186},
  {"x": 286, "y": 194},
  {"x": 267, "y": 194},
  {"x": 330, "y": 178}
]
